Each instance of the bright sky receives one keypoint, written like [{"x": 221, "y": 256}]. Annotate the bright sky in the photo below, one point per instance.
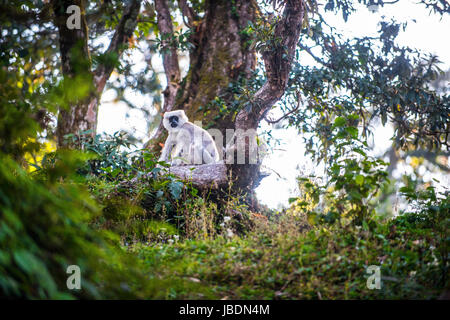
[{"x": 288, "y": 161}]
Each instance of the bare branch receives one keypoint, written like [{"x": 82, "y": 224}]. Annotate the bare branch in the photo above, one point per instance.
[
  {"x": 277, "y": 61},
  {"x": 119, "y": 42},
  {"x": 170, "y": 63},
  {"x": 170, "y": 57},
  {"x": 287, "y": 114},
  {"x": 308, "y": 50},
  {"x": 187, "y": 12},
  {"x": 205, "y": 176}
]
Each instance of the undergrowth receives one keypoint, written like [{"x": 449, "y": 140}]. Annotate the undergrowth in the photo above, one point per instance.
[{"x": 137, "y": 233}]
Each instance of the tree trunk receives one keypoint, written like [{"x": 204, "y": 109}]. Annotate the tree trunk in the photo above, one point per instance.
[
  {"x": 222, "y": 56},
  {"x": 81, "y": 112}
]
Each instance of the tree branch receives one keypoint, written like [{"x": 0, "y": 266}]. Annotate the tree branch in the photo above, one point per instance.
[
  {"x": 206, "y": 176},
  {"x": 119, "y": 42},
  {"x": 28, "y": 18},
  {"x": 170, "y": 56},
  {"x": 278, "y": 62},
  {"x": 316, "y": 58},
  {"x": 187, "y": 12},
  {"x": 170, "y": 63},
  {"x": 288, "y": 113}
]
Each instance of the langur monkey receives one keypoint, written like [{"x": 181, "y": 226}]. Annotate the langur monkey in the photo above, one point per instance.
[{"x": 187, "y": 143}]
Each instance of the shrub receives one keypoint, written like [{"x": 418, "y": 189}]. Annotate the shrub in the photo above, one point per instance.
[{"x": 44, "y": 229}]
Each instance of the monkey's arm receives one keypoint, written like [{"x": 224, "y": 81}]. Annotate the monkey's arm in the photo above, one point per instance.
[{"x": 168, "y": 145}]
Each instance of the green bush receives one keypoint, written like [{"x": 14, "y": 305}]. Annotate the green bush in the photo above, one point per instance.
[{"x": 44, "y": 229}]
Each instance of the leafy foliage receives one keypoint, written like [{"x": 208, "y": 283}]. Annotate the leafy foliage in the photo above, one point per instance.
[
  {"x": 44, "y": 229},
  {"x": 354, "y": 179},
  {"x": 139, "y": 232},
  {"x": 373, "y": 77}
]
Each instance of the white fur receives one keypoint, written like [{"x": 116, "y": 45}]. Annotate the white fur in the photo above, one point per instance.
[{"x": 187, "y": 143}]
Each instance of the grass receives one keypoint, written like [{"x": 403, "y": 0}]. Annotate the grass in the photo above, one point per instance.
[{"x": 284, "y": 258}]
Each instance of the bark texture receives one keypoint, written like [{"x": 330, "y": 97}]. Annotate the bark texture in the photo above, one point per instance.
[
  {"x": 207, "y": 176},
  {"x": 75, "y": 62},
  {"x": 220, "y": 56},
  {"x": 170, "y": 56},
  {"x": 81, "y": 114}
]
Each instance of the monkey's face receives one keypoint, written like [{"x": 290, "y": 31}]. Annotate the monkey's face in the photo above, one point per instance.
[{"x": 174, "y": 120}]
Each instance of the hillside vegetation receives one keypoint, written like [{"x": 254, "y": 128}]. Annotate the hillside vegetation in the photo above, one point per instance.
[{"x": 138, "y": 234}]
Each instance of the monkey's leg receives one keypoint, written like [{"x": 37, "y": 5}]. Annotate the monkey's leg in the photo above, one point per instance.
[
  {"x": 195, "y": 154},
  {"x": 213, "y": 152},
  {"x": 178, "y": 155},
  {"x": 207, "y": 157}
]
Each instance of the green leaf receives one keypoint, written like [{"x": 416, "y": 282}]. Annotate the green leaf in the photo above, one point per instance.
[
  {"x": 291, "y": 200},
  {"x": 359, "y": 179},
  {"x": 352, "y": 131},
  {"x": 360, "y": 151},
  {"x": 175, "y": 188},
  {"x": 339, "y": 122}
]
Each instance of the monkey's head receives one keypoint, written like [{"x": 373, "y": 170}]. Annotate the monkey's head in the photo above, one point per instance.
[{"x": 174, "y": 120}]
